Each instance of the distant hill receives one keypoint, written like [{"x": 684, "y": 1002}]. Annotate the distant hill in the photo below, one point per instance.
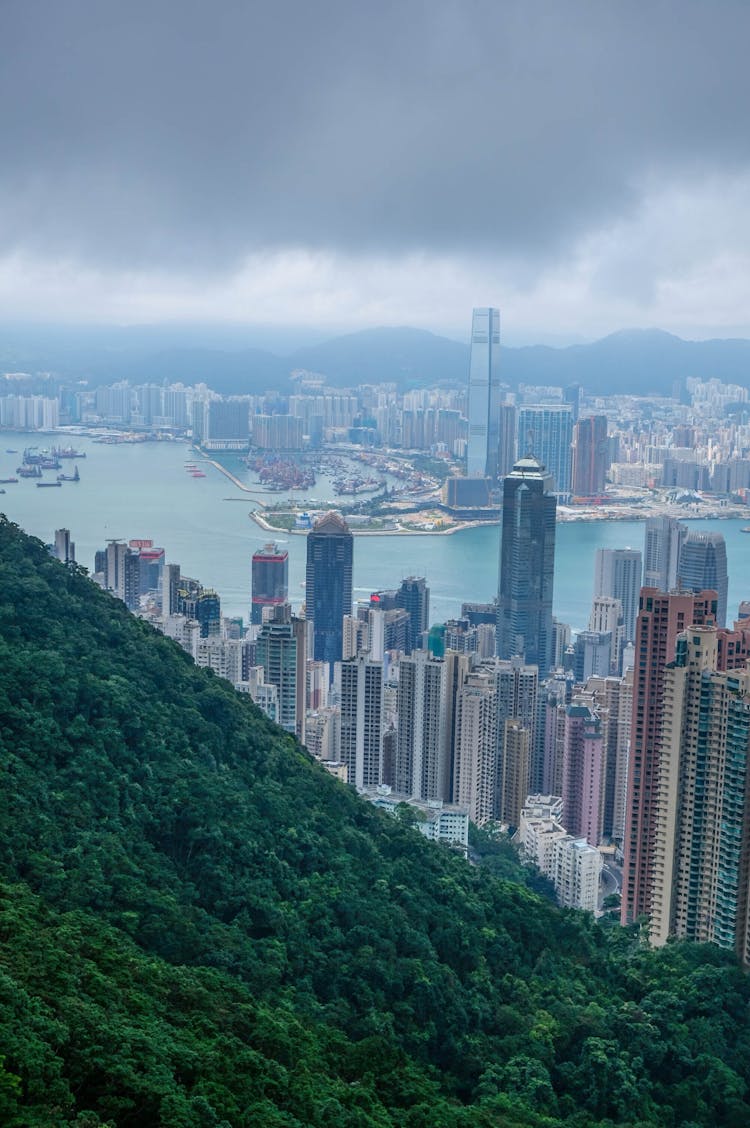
[
  {"x": 201, "y": 927},
  {"x": 407, "y": 357},
  {"x": 638, "y": 360}
]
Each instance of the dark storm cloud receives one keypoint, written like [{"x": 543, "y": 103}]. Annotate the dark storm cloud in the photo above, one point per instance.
[{"x": 187, "y": 135}]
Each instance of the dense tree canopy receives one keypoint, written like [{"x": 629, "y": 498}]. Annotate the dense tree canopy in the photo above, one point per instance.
[{"x": 200, "y": 927}]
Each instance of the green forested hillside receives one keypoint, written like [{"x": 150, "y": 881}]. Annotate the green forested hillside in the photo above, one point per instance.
[{"x": 200, "y": 927}]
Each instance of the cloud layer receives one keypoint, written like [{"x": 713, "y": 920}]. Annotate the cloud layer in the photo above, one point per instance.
[{"x": 376, "y": 162}]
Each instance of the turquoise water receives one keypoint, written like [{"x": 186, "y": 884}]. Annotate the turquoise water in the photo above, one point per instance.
[{"x": 144, "y": 491}]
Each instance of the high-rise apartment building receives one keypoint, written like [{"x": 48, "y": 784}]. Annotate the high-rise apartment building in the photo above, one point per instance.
[
  {"x": 270, "y": 579},
  {"x": 121, "y": 572},
  {"x": 590, "y": 456},
  {"x": 702, "y": 816},
  {"x": 545, "y": 431},
  {"x": 280, "y": 649},
  {"x": 527, "y": 562},
  {"x": 475, "y": 759},
  {"x": 65, "y": 550},
  {"x": 661, "y": 554},
  {"x": 618, "y": 574},
  {"x": 484, "y": 394},
  {"x": 361, "y": 731},
  {"x": 703, "y": 566},
  {"x": 421, "y": 769},
  {"x": 170, "y": 586},
  {"x": 328, "y": 586},
  {"x": 662, "y": 617},
  {"x": 583, "y": 774}
]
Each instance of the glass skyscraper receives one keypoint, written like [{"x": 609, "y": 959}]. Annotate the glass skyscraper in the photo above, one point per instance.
[
  {"x": 545, "y": 431},
  {"x": 703, "y": 565},
  {"x": 484, "y": 395},
  {"x": 328, "y": 586},
  {"x": 527, "y": 562}
]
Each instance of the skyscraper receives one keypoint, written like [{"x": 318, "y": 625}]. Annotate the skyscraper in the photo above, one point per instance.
[
  {"x": 65, "y": 550},
  {"x": 664, "y": 536},
  {"x": 590, "y": 456},
  {"x": 662, "y": 617},
  {"x": 361, "y": 734},
  {"x": 270, "y": 579},
  {"x": 484, "y": 394},
  {"x": 281, "y": 651},
  {"x": 703, "y": 565},
  {"x": 328, "y": 586},
  {"x": 527, "y": 562},
  {"x": 414, "y": 597},
  {"x": 617, "y": 573},
  {"x": 702, "y": 841},
  {"x": 545, "y": 431},
  {"x": 421, "y": 770}
]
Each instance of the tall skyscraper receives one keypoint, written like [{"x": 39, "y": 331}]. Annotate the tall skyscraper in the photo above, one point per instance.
[
  {"x": 590, "y": 456},
  {"x": 270, "y": 579},
  {"x": 170, "y": 586},
  {"x": 527, "y": 562},
  {"x": 545, "y": 431},
  {"x": 484, "y": 394},
  {"x": 702, "y": 841},
  {"x": 703, "y": 565},
  {"x": 664, "y": 536},
  {"x": 122, "y": 573},
  {"x": 280, "y": 649},
  {"x": 508, "y": 446},
  {"x": 617, "y": 573},
  {"x": 420, "y": 750},
  {"x": 414, "y": 596},
  {"x": 662, "y": 617},
  {"x": 361, "y": 734},
  {"x": 328, "y": 586}
]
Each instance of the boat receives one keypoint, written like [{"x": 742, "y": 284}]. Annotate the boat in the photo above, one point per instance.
[
  {"x": 29, "y": 471},
  {"x": 7, "y": 481},
  {"x": 74, "y": 477},
  {"x": 745, "y": 529},
  {"x": 11, "y": 452},
  {"x": 47, "y": 485},
  {"x": 197, "y": 474}
]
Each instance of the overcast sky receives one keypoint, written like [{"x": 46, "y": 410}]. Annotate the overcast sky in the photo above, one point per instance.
[{"x": 585, "y": 166}]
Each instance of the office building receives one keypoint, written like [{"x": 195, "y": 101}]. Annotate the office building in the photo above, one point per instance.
[
  {"x": 590, "y": 456},
  {"x": 618, "y": 574},
  {"x": 414, "y": 597},
  {"x": 527, "y": 562},
  {"x": 703, "y": 566},
  {"x": 702, "y": 817},
  {"x": 280, "y": 649},
  {"x": 328, "y": 587},
  {"x": 662, "y": 617},
  {"x": 484, "y": 395},
  {"x": 545, "y": 431},
  {"x": 661, "y": 554},
  {"x": 270, "y": 580},
  {"x": 361, "y": 732},
  {"x": 508, "y": 446}
]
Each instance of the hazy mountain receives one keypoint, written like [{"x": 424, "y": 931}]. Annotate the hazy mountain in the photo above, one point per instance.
[
  {"x": 229, "y": 359},
  {"x": 407, "y": 357}
]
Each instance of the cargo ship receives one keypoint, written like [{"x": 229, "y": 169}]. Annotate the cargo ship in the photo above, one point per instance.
[
  {"x": 74, "y": 477},
  {"x": 47, "y": 485}
]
